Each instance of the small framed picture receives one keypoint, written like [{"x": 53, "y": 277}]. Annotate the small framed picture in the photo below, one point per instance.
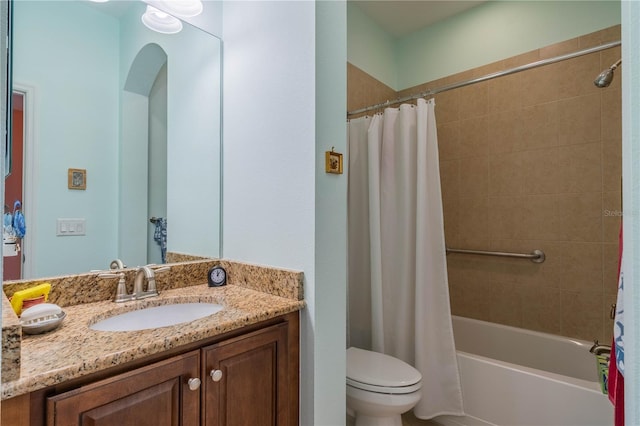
[
  {"x": 77, "y": 179},
  {"x": 333, "y": 162}
]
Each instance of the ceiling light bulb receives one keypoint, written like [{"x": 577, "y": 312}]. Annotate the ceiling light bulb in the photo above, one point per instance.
[
  {"x": 181, "y": 8},
  {"x": 161, "y": 22}
]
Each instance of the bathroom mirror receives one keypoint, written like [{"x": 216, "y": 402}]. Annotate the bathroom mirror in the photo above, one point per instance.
[{"x": 135, "y": 115}]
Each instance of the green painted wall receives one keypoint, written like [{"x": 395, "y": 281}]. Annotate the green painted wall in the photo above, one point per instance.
[
  {"x": 486, "y": 33},
  {"x": 369, "y": 47}
]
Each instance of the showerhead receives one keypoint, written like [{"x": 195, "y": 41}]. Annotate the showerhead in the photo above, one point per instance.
[{"x": 605, "y": 77}]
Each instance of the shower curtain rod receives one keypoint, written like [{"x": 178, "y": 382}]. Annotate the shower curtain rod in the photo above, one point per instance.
[{"x": 488, "y": 77}]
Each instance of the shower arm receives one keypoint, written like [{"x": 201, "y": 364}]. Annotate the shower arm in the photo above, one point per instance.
[{"x": 616, "y": 65}]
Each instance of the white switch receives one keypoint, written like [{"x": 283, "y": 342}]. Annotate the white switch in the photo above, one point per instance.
[{"x": 70, "y": 226}]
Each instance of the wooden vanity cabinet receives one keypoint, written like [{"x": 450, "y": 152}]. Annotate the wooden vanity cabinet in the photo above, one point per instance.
[
  {"x": 158, "y": 394},
  {"x": 248, "y": 379},
  {"x": 245, "y": 380}
]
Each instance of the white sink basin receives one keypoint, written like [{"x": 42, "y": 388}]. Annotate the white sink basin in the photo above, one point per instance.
[{"x": 157, "y": 316}]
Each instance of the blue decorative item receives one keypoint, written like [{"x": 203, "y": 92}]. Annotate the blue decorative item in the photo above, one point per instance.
[
  {"x": 19, "y": 225},
  {"x": 160, "y": 236}
]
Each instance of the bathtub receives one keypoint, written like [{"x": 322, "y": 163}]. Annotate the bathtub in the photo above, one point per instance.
[{"x": 516, "y": 377}]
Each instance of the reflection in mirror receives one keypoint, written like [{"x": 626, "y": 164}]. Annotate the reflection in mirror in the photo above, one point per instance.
[{"x": 139, "y": 111}]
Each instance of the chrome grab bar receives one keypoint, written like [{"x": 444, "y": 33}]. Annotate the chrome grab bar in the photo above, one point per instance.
[{"x": 537, "y": 256}]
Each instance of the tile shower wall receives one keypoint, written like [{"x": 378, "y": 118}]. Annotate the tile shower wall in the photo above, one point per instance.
[{"x": 530, "y": 161}]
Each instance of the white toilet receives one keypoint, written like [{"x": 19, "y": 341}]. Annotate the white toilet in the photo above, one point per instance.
[{"x": 380, "y": 388}]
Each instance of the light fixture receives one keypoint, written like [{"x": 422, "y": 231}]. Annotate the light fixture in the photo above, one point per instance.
[
  {"x": 161, "y": 22},
  {"x": 181, "y": 8}
]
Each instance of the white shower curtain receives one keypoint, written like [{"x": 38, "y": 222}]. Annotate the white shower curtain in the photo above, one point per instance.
[{"x": 398, "y": 288}]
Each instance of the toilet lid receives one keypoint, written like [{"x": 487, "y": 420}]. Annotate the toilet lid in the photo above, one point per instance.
[{"x": 372, "y": 371}]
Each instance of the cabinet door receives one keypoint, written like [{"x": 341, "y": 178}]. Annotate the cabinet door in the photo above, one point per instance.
[
  {"x": 246, "y": 380},
  {"x": 155, "y": 395}
]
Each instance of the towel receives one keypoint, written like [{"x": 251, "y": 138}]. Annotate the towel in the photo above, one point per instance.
[
  {"x": 160, "y": 236},
  {"x": 616, "y": 363}
]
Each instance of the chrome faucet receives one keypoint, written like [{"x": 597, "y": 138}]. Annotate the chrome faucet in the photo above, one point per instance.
[
  {"x": 149, "y": 274},
  {"x": 598, "y": 349}
]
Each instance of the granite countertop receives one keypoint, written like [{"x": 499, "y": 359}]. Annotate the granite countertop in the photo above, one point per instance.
[{"x": 74, "y": 350}]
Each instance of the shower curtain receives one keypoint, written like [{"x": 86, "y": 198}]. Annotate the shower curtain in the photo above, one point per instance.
[{"x": 398, "y": 288}]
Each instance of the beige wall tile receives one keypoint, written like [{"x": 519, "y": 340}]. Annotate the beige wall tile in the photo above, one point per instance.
[
  {"x": 558, "y": 49},
  {"x": 505, "y": 216},
  {"x": 473, "y": 223},
  {"x": 542, "y": 172},
  {"x": 611, "y": 216},
  {"x": 474, "y": 177},
  {"x": 468, "y": 269},
  {"x": 581, "y": 168},
  {"x": 474, "y": 137},
  {"x": 539, "y": 126},
  {"x": 599, "y": 37},
  {"x": 507, "y": 174},
  {"x": 611, "y": 164},
  {"x": 450, "y": 178},
  {"x": 582, "y": 267},
  {"x": 506, "y": 304},
  {"x": 575, "y": 76},
  {"x": 523, "y": 59},
  {"x": 582, "y": 314},
  {"x": 364, "y": 90},
  {"x": 447, "y": 106},
  {"x": 611, "y": 114},
  {"x": 473, "y": 300},
  {"x": 449, "y": 141},
  {"x": 580, "y": 217},
  {"x": 450, "y": 211},
  {"x": 538, "y": 86},
  {"x": 506, "y": 270},
  {"x": 473, "y": 100},
  {"x": 504, "y": 93},
  {"x": 545, "y": 275},
  {"x": 505, "y": 131},
  {"x": 579, "y": 120},
  {"x": 540, "y": 218},
  {"x": 542, "y": 310}
]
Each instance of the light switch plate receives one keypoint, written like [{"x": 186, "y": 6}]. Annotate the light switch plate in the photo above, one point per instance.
[{"x": 68, "y": 227}]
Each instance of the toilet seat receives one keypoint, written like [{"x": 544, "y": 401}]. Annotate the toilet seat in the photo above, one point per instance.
[{"x": 380, "y": 373}]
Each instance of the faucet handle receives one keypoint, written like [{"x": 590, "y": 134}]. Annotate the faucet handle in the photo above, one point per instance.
[
  {"x": 121, "y": 290},
  {"x": 151, "y": 282},
  {"x": 161, "y": 269}
]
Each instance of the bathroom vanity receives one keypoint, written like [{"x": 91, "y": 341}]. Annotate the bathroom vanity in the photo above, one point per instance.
[{"x": 238, "y": 366}]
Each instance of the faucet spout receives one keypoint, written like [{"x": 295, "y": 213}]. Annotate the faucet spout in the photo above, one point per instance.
[
  {"x": 117, "y": 264},
  {"x": 148, "y": 274},
  {"x": 598, "y": 349},
  {"x": 144, "y": 273}
]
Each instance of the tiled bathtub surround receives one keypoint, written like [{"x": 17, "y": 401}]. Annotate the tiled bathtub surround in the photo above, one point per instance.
[
  {"x": 82, "y": 289},
  {"x": 533, "y": 161}
]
